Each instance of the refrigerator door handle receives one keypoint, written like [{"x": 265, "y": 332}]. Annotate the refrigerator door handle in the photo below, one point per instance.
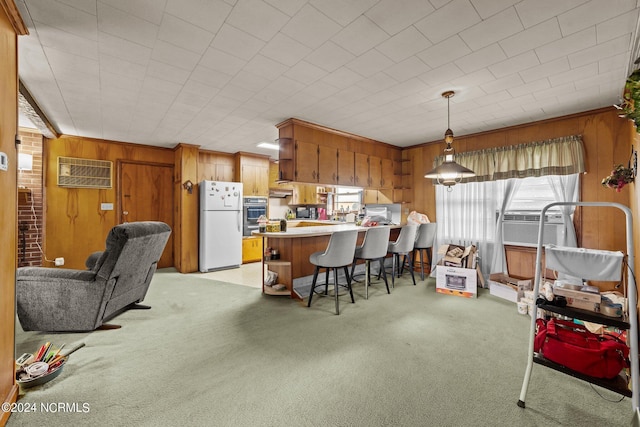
[{"x": 239, "y": 217}]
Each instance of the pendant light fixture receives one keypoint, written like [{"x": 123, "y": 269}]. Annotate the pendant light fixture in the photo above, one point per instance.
[{"x": 449, "y": 173}]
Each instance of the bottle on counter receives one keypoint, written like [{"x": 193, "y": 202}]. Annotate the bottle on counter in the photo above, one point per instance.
[{"x": 283, "y": 225}]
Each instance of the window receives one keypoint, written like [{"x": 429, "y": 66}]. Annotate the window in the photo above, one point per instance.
[
  {"x": 347, "y": 199},
  {"x": 533, "y": 194}
]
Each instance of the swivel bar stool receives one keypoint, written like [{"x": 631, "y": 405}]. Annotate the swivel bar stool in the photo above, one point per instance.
[
  {"x": 403, "y": 246},
  {"x": 374, "y": 248},
  {"x": 339, "y": 254},
  {"x": 424, "y": 243}
]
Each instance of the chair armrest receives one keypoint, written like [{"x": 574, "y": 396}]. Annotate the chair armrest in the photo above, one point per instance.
[
  {"x": 90, "y": 263},
  {"x": 54, "y": 274}
]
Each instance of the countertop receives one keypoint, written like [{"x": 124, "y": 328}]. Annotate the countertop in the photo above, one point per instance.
[{"x": 323, "y": 228}]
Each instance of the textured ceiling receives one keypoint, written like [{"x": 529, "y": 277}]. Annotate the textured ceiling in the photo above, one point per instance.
[{"x": 222, "y": 73}]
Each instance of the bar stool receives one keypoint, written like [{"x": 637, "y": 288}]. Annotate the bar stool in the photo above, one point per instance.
[
  {"x": 424, "y": 242},
  {"x": 339, "y": 254},
  {"x": 403, "y": 246},
  {"x": 374, "y": 248}
]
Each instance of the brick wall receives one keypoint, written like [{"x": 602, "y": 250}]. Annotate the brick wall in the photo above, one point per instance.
[{"x": 30, "y": 221}]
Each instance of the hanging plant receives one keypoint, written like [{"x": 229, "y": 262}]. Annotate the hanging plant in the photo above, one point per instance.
[
  {"x": 620, "y": 176},
  {"x": 631, "y": 99}
]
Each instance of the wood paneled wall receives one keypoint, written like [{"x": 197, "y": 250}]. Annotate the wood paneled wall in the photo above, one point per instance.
[
  {"x": 75, "y": 223},
  {"x": 607, "y": 141},
  {"x": 11, "y": 26}
]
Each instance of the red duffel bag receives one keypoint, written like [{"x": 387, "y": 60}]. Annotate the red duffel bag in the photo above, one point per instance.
[{"x": 572, "y": 346}]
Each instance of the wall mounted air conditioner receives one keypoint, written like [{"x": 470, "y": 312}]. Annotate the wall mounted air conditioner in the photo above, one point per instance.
[{"x": 521, "y": 228}]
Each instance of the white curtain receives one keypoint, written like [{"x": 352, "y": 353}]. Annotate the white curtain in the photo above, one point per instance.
[
  {"x": 566, "y": 189},
  {"x": 507, "y": 188},
  {"x": 466, "y": 215}
]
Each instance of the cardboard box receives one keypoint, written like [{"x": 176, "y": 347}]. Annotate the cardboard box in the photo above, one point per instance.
[
  {"x": 458, "y": 256},
  {"x": 504, "y": 291},
  {"x": 577, "y": 295},
  {"x": 509, "y": 288},
  {"x": 456, "y": 281},
  {"x": 584, "y": 305}
]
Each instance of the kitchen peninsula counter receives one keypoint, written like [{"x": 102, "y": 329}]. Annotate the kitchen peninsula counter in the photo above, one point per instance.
[{"x": 295, "y": 245}]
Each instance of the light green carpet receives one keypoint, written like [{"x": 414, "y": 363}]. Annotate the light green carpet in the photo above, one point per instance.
[{"x": 216, "y": 354}]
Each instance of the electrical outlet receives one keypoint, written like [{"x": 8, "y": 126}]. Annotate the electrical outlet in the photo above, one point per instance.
[{"x": 59, "y": 262}]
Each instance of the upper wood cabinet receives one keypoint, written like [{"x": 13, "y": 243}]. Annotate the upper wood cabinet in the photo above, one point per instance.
[
  {"x": 346, "y": 167},
  {"x": 375, "y": 172},
  {"x": 213, "y": 166},
  {"x": 327, "y": 165},
  {"x": 253, "y": 173},
  {"x": 306, "y": 162},
  {"x": 304, "y": 194},
  {"x": 387, "y": 178},
  {"x": 361, "y": 164}
]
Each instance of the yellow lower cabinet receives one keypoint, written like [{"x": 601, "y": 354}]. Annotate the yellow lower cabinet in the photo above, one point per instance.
[{"x": 251, "y": 249}]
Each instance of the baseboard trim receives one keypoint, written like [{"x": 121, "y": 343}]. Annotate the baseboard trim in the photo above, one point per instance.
[{"x": 12, "y": 397}]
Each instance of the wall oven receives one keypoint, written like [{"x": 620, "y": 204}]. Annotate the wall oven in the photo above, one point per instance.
[{"x": 253, "y": 207}]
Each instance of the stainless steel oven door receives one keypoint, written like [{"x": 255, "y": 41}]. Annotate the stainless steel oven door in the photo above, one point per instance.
[{"x": 253, "y": 208}]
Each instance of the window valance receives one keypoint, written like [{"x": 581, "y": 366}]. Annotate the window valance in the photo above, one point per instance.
[{"x": 558, "y": 156}]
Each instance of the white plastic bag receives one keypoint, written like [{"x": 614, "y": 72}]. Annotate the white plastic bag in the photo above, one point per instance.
[{"x": 417, "y": 218}]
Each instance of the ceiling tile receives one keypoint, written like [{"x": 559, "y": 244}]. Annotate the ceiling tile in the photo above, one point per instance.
[
  {"x": 123, "y": 49},
  {"x": 221, "y": 61},
  {"x": 343, "y": 12},
  {"x": 603, "y": 50},
  {"x": 370, "y": 63},
  {"x": 442, "y": 74},
  {"x": 257, "y": 18},
  {"x": 545, "y": 70},
  {"x": 515, "y": 64},
  {"x": 64, "y": 17},
  {"x": 285, "y": 50},
  {"x": 616, "y": 27},
  {"x": 481, "y": 58},
  {"x": 503, "y": 83},
  {"x": 342, "y": 78},
  {"x": 567, "y": 45},
  {"x": 210, "y": 77},
  {"x": 393, "y": 19},
  {"x": 531, "y": 38},
  {"x": 488, "y": 8},
  {"x": 237, "y": 43},
  {"x": 290, "y": 7},
  {"x": 409, "y": 68},
  {"x": 68, "y": 42},
  {"x": 591, "y": 13},
  {"x": 206, "y": 14},
  {"x": 174, "y": 55},
  {"x": 532, "y": 12},
  {"x": 129, "y": 27},
  {"x": 305, "y": 73},
  {"x": 492, "y": 29},
  {"x": 184, "y": 34},
  {"x": 149, "y": 10},
  {"x": 310, "y": 27},
  {"x": 122, "y": 68},
  {"x": 329, "y": 56},
  {"x": 404, "y": 44},
  {"x": 266, "y": 67},
  {"x": 456, "y": 16},
  {"x": 360, "y": 36},
  {"x": 446, "y": 51},
  {"x": 574, "y": 74}
]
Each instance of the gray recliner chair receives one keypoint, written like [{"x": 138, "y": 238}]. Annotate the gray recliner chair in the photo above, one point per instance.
[{"x": 64, "y": 300}]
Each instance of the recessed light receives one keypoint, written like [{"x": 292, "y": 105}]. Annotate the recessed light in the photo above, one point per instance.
[{"x": 269, "y": 145}]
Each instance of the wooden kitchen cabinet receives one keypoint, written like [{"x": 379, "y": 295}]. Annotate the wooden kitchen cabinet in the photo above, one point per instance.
[
  {"x": 304, "y": 194},
  {"x": 254, "y": 174},
  {"x": 387, "y": 176},
  {"x": 361, "y": 165},
  {"x": 375, "y": 172},
  {"x": 327, "y": 165},
  {"x": 346, "y": 167},
  {"x": 306, "y": 162}
]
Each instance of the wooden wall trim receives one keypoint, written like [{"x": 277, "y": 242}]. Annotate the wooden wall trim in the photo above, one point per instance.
[
  {"x": 294, "y": 121},
  {"x": 515, "y": 127},
  {"x": 108, "y": 141},
  {"x": 10, "y": 8},
  {"x": 12, "y": 397}
]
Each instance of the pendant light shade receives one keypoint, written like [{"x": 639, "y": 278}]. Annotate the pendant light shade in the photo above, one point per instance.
[{"x": 449, "y": 173}]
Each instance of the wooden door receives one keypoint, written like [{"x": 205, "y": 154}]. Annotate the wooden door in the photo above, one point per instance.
[
  {"x": 306, "y": 162},
  {"x": 327, "y": 165},
  {"x": 145, "y": 192},
  {"x": 361, "y": 163},
  {"x": 346, "y": 167}
]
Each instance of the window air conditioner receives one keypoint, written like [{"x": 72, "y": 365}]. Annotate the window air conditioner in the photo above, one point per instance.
[{"x": 521, "y": 228}]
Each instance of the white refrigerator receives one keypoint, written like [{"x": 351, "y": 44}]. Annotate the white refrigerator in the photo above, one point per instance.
[{"x": 220, "y": 225}]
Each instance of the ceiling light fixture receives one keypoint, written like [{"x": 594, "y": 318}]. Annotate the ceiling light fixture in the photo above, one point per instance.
[
  {"x": 449, "y": 173},
  {"x": 269, "y": 145}
]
